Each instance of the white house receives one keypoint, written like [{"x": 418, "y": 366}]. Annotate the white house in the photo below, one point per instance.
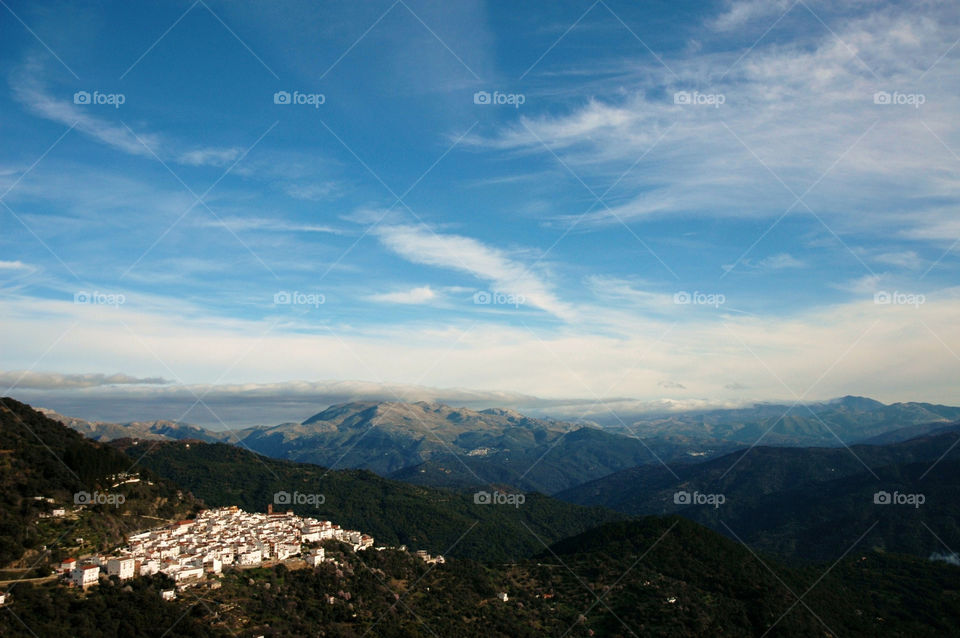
[
  {"x": 315, "y": 557},
  {"x": 365, "y": 541},
  {"x": 149, "y": 567},
  {"x": 254, "y": 557},
  {"x": 168, "y": 594},
  {"x": 68, "y": 565},
  {"x": 503, "y": 596},
  {"x": 188, "y": 573},
  {"x": 285, "y": 550},
  {"x": 123, "y": 567},
  {"x": 86, "y": 576}
]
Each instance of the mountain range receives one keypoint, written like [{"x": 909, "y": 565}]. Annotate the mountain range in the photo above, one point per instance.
[
  {"x": 843, "y": 421},
  {"x": 567, "y": 569},
  {"x": 805, "y": 502},
  {"x": 432, "y": 444}
]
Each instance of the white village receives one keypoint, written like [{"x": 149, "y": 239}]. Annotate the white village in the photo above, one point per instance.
[{"x": 191, "y": 551}]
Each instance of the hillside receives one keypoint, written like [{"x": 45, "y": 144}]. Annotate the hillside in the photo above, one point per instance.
[
  {"x": 393, "y": 512},
  {"x": 577, "y": 457},
  {"x": 652, "y": 577},
  {"x": 802, "y": 501},
  {"x": 43, "y": 465}
]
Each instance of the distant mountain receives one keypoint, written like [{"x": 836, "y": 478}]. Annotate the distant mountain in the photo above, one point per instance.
[
  {"x": 393, "y": 512},
  {"x": 911, "y": 432},
  {"x": 435, "y": 444},
  {"x": 146, "y": 430},
  {"x": 846, "y": 420},
  {"x": 44, "y": 465},
  {"x": 574, "y": 458},
  {"x": 804, "y": 501},
  {"x": 384, "y": 437}
]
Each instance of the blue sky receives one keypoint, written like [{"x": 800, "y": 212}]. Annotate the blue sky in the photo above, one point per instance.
[{"x": 676, "y": 204}]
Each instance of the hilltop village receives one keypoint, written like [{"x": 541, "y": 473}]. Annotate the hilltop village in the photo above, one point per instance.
[{"x": 190, "y": 551}]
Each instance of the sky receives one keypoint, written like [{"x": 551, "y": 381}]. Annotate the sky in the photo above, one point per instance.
[{"x": 619, "y": 205}]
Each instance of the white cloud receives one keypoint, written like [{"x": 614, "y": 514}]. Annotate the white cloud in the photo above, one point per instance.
[
  {"x": 801, "y": 111},
  {"x": 238, "y": 224},
  {"x": 210, "y": 156},
  {"x": 30, "y": 91},
  {"x": 52, "y": 380},
  {"x": 781, "y": 261},
  {"x": 890, "y": 352},
  {"x": 14, "y": 265},
  {"x": 619, "y": 292},
  {"x": 312, "y": 192},
  {"x": 491, "y": 265},
  {"x": 904, "y": 259},
  {"x": 742, "y": 12},
  {"x": 418, "y": 295}
]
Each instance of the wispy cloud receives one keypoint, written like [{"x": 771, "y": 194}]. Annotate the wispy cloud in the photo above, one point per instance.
[
  {"x": 739, "y": 13},
  {"x": 781, "y": 261},
  {"x": 796, "y": 114},
  {"x": 29, "y": 89},
  {"x": 486, "y": 263},
  {"x": 278, "y": 224},
  {"x": 908, "y": 259},
  {"x": 210, "y": 156},
  {"x": 418, "y": 295}
]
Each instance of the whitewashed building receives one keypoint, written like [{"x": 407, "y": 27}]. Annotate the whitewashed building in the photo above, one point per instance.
[
  {"x": 86, "y": 576},
  {"x": 149, "y": 567},
  {"x": 68, "y": 565},
  {"x": 123, "y": 568},
  {"x": 315, "y": 557}
]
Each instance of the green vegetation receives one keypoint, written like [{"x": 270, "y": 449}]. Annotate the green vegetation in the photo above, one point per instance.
[
  {"x": 652, "y": 577},
  {"x": 806, "y": 502},
  {"x": 393, "y": 513},
  {"x": 42, "y": 458}
]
